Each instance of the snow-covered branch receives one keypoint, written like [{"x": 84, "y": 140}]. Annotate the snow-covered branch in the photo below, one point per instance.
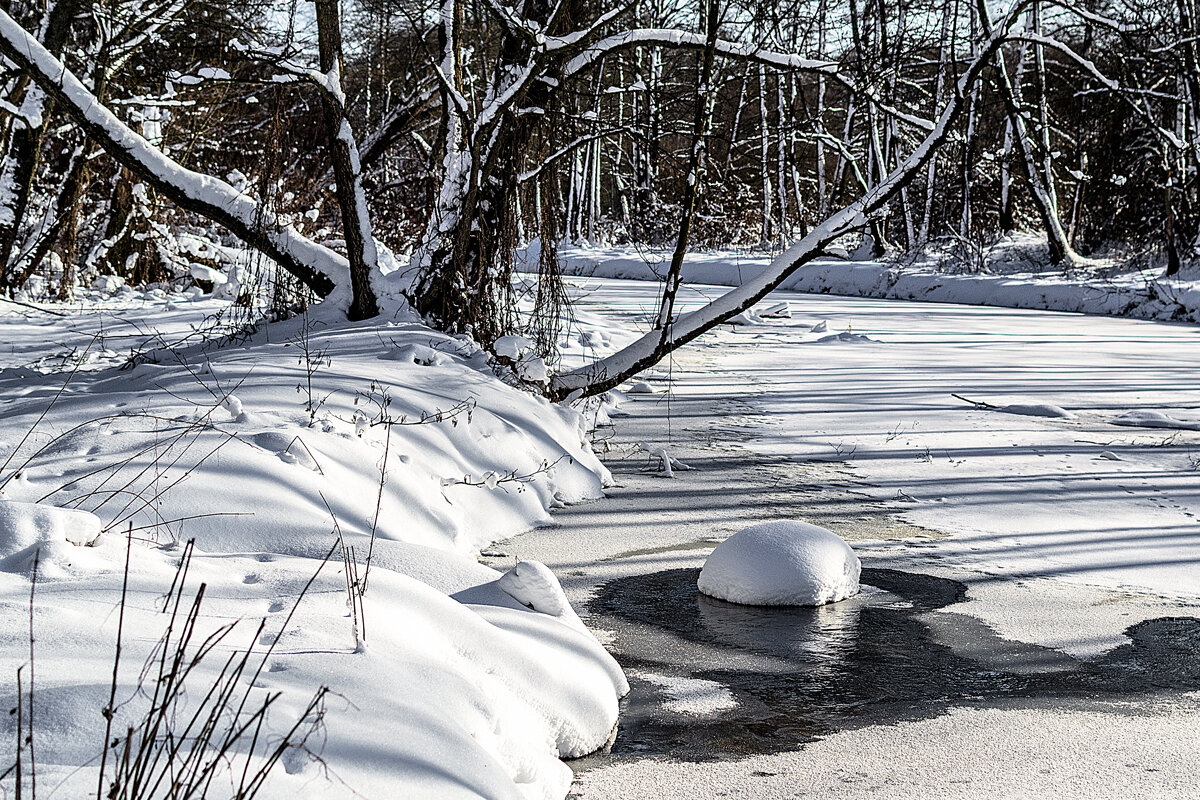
[
  {"x": 673, "y": 37},
  {"x": 653, "y": 346},
  {"x": 320, "y": 268}
]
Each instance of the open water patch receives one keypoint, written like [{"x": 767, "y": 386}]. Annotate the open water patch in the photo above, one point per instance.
[{"x": 800, "y": 673}]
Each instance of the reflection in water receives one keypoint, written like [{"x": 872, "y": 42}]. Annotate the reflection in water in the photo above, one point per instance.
[
  {"x": 798, "y": 673},
  {"x": 820, "y": 638}
]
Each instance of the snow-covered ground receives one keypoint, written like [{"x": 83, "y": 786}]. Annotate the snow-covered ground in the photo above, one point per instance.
[
  {"x": 291, "y": 453},
  {"x": 1060, "y": 485}
]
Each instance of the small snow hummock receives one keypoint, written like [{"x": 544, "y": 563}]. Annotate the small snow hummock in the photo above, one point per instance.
[
  {"x": 528, "y": 366},
  {"x": 233, "y": 405},
  {"x": 845, "y": 336},
  {"x": 532, "y": 584},
  {"x": 33, "y": 529},
  {"x": 512, "y": 346},
  {"x": 1037, "y": 410},
  {"x": 1154, "y": 419},
  {"x": 781, "y": 563}
]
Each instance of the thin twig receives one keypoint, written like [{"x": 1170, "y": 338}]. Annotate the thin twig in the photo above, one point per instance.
[
  {"x": 980, "y": 404},
  {"x": 112, "y": 692}
]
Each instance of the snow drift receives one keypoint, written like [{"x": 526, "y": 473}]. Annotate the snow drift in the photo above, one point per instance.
[{"x": 394, "y": 445}]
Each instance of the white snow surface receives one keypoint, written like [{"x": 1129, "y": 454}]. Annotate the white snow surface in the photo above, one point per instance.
[
  {"x": 1088, "y": 498},
  {"x": 1154, "y": 419},
  {"x": 694, "y": 696},
  {"x": 1036, "y": 410},
  {"x": 781, "y": 563},
  {"x": 269, "y": 448}
]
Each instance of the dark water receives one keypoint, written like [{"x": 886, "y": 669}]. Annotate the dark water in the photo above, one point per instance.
[{"x": 800, "y": 673}]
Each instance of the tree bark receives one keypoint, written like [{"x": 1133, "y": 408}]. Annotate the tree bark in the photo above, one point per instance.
[
  {"x": 22, "y": 159},
  {"x": 343, "y": 153},
  {"x": 1056, "y": 239},
  {"x": 701, "y": 127}
]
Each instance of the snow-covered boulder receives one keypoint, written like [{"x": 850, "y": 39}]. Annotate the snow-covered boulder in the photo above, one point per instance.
[
  {"x": 108, "y": 283},
  {"x": 781, "y": 563}
]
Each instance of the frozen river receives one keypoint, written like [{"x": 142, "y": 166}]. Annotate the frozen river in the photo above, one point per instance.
[{"x": 1031, "y": 554}]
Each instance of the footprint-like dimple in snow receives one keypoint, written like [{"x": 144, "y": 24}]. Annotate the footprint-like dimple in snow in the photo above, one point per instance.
[
  {"x": 276, "y": 607},
  {"x": 253, "y": 577}
]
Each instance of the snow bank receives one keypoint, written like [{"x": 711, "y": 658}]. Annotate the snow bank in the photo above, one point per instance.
[
  {"x": 382, "y": 438},
  {"x": 1153, "y": 419},
  {"x": 1141, "y": 295},
  {"x": 781, "y": 563}
]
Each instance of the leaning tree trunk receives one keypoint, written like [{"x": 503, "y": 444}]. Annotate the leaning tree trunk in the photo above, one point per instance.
[
  {"x": 701, "y": 127},
  {"x": 1056, "y": 237}
]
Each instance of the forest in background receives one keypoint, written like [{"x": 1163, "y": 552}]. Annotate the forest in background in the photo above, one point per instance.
[{"x": 453, "y": 133}]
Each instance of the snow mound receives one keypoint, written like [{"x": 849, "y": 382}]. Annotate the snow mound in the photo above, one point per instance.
[
  {"x": 519, "y": 350},
  {"x": 29, "y": 529},
  {"x": 419, "y": 354},
  {"x": 845, "y": 336},
  {"x": 1154, "y": 419},
  {"x": 532, "y": 584},
  {"x": 512, "y": 346},
  {"x": 1037, "y": 410},
  {"x": 747, "y": 317},
  {"x": 781, "y": 563}
]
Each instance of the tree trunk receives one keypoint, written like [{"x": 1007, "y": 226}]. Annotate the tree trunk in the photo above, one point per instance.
[
  {"x": 706, "y": 92},
  {"x": 822, "y": 186},
  {"x": 931, "y": 170},
  {"x": 21, "y": 161},
  {"x": 1056, "y": 238},
  {"x": 464, "y": 280},
  {"x": 343, "y": 153},
  {"x": 764, "y": 158}
]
